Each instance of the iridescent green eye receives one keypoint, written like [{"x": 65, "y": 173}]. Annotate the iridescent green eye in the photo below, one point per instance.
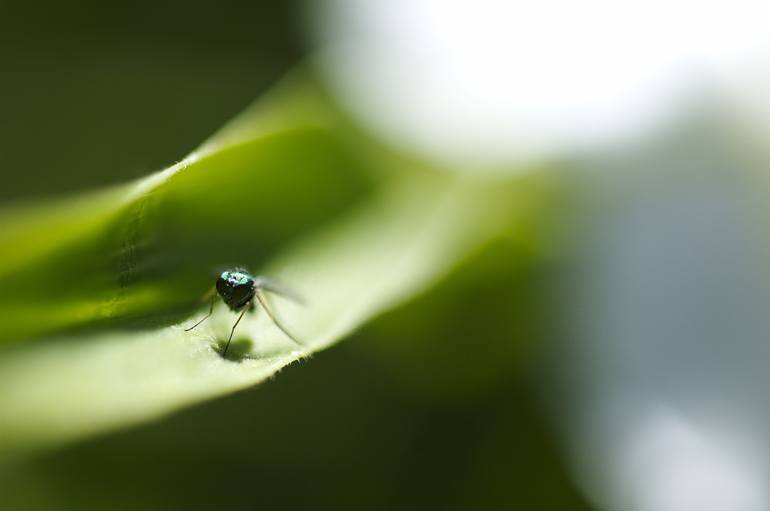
[{"x": 238, "y": 289}]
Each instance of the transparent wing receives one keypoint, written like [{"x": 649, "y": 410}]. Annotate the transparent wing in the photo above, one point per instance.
[{"x": 273, "y": 286}]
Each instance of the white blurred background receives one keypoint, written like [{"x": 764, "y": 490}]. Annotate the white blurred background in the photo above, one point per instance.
[
  {"x": 493, "y": 81},
  {"x": 661, "y": 388}
]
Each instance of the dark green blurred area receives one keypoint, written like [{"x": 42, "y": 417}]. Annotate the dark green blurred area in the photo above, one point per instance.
[
  {"x": 93, "y": 93},
  {"x": 399, "y": 417},
  {"x": 336, "y": 432}
]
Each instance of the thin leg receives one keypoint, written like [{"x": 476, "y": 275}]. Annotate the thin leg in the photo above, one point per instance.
[
  {"x": 245, "y": 308},
  {"x": 263, "y": 303},
  {"x": 211, "y": 309}
]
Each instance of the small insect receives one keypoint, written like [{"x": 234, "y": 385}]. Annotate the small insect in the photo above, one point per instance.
[{"x": 239, "y": 289}]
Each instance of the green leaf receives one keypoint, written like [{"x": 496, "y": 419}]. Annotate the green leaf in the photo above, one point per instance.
[{"x": 95, "y": 291}]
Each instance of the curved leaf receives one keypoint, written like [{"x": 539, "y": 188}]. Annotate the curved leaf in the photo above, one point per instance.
[{"x": 278, "y": 191}]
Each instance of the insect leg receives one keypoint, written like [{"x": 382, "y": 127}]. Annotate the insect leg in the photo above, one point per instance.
[
  {"x": 211, "y": 309},
  {"x": 263, "y": 303},
  {"x": 245, "y": 308}
]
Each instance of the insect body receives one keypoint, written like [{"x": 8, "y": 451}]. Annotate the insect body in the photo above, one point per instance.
[{"x": 239, "y": 290}]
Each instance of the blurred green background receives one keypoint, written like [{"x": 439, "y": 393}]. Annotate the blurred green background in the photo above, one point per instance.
[
  {"x": 397, "y": 417},
  {"x": 96, "y": 93}
]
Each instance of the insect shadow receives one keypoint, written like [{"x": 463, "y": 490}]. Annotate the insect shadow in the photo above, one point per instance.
[{"x": 239, "y": 350}]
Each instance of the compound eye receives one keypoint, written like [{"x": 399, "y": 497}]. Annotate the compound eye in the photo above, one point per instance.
[{"x": 221, "y": 285}]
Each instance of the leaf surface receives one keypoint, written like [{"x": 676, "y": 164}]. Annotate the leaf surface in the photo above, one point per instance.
[{"x": 96, "y": 290}]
